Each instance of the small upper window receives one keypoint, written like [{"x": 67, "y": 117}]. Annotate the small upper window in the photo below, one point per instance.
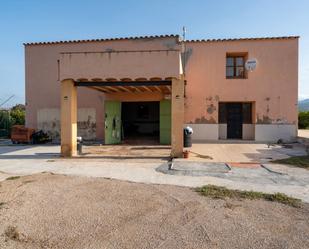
[{"x": 235, "y": 67}]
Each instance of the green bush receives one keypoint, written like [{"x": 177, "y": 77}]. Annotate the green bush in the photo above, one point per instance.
[
  {"x": 18, "y": 117},
  {"x": 303, "y": 120},
  {"x": 5, "y": 123},
  {"x": 10, "y": 117}
]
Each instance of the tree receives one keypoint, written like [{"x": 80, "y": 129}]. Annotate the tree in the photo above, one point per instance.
[
  {"x": 21, "y": 107},
  {"x": 17, "y": 114},
  {"x": 10, "y": 117},
  {"x": 5, "y": 123}
]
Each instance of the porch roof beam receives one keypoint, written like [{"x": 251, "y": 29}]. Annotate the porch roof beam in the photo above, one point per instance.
[{"x": 124, "y": 83}]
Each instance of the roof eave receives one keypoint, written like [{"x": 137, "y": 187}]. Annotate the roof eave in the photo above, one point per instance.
[
  {"x": 103, "y": 40},
  {"x": 246, "y": 39}
]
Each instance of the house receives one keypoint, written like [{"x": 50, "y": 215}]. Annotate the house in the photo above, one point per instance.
[{"x": 151, "y": 87}]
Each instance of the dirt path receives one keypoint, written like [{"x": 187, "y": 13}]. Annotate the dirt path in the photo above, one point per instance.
[{"x": 56, "y": 211}]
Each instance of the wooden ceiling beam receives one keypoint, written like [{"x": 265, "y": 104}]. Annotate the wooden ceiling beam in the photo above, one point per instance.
[
  {"x": 98, "y": 89},
  {"x": 124, "y": 88},
  {"x": 115, "y": 89},
  {"x": 147, "y": 88},
  {"x": 136, "y": 89},
  {"x": 158, "y": 88}
]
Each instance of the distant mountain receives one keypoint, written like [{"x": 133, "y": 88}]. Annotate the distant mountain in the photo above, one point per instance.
[{"x": 303, "y": 105}]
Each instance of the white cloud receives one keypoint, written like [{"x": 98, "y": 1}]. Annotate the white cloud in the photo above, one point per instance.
[{"x": 303, "y": 96}]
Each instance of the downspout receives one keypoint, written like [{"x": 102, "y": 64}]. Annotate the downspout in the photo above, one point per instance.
[{"x": 184, "y": 55}]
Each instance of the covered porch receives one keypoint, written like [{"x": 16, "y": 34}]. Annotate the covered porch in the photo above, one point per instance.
[{"x": 130, "y": 76}]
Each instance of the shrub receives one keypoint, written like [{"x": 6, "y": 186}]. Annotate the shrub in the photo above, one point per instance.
[
  {"x": 303, "y": 120},
  {"x": 10, "y": 117},
  {"x": 18, "y": 114},
  {"x": 5, "y": 123}
]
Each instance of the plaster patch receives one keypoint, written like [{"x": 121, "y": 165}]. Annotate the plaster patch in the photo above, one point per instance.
[
  {"x": 204, "y": 120},
  {"x": 264, "y": 120},
  {"x": 49, "y": 122},
  {"x": 211, "y": 108}
]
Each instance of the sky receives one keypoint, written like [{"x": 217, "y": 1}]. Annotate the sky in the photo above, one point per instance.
[{"x": 51, "y": 20}]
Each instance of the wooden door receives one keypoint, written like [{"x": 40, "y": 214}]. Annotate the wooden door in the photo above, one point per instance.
[{"x": 112, "y": 122}]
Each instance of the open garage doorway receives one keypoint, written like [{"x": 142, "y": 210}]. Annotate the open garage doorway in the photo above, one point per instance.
[
  {"x": 143, "y": 122},
  {"x": 135, "y": 130},
  {"x": 140, "y": 122}
]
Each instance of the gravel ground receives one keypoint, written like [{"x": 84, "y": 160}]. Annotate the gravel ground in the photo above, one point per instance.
[{"x": 57, "y": 211}]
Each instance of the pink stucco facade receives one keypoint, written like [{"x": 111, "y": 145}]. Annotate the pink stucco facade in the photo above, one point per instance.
[
  {"x": 271, "y": 88},
  {"x": 273, "y": 85}
]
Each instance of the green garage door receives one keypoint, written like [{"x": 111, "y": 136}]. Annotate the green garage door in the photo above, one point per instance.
[
  {"x": 112, "y": 122},
  {"x": 165, "y": 122}
]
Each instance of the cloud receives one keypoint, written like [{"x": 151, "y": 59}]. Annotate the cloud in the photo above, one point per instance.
[{"x": 303, "y": 96}]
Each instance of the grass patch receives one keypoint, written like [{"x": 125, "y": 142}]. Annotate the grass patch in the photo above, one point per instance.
[
  {"x": 297, "y": 161},
  {"x": 12, "y": 178},
  {"x": 217, "y": 192}
]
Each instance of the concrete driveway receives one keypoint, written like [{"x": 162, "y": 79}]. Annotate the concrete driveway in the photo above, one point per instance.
[
  {"x": 242, "y": 151},
  {"x": 271, "y": 178}
]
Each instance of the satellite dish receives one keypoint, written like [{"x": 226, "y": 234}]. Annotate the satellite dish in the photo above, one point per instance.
[{"x": 251, "y": 64}]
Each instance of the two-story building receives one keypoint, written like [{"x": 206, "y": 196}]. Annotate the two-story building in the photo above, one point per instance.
[{"x": 149, "y": 88}]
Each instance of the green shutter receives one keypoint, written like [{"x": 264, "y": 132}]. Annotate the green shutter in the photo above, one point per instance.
[
  {"x": 112, "y": 122},
  {"x": 165, "y": 122}
]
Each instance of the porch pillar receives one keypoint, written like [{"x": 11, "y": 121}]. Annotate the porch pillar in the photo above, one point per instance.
[
  {"x": 177, "y": 116},
  {"x": 68, "y": 118}
]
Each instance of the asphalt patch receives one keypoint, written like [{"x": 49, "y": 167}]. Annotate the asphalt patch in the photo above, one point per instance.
[{"x": 194, "y": 169}]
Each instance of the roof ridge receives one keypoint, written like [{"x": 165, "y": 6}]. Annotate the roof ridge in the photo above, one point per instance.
[{"x": 102, "y": 39}]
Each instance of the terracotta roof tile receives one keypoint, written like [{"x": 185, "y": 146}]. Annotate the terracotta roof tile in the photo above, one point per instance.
[
  {"x": 245, "y": 39},
  {"x": 163, "y": 36},
  {"x": 99, "y": 40}
]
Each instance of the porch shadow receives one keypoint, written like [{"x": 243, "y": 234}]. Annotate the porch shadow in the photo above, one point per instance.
[
  {"x": 12, "y": 148},
  {"x": 33, "y": 156},
  {"x": 274, "y": 154}
]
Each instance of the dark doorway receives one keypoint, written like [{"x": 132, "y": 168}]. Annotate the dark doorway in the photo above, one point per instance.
[
  {"x": 234, "y": 120},
  {"x": 140, "y": 122}
]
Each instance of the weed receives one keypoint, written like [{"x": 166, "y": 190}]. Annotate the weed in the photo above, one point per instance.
[
  {"x": 296, "y": 161},
  {"x": 12, "y": 178},
  {"x": 217, "y": 192}
]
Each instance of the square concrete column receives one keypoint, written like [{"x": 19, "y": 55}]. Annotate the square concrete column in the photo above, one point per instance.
[
  {"x": 177, "y": 116},
  {"x": 68, "y": 118}
]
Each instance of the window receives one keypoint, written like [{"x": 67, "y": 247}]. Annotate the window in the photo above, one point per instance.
[{"x": 235, "y": 66}]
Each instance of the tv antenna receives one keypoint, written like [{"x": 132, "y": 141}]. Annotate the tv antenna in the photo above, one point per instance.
[{"x": 184, "y": 33}]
